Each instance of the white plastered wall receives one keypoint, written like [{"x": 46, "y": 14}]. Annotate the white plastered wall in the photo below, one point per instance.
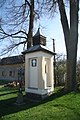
[{"x": 41, "y": 57}]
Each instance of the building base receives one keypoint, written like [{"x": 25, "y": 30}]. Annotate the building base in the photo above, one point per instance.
[
  {"x": 35, "y": 97},
  {"x": 38, "y": 94}
]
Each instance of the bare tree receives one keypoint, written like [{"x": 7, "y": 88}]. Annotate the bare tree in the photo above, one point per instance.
[
  {"x": 20, "y": 16},
  {"x": 70, "y": 35},
  {"x": 16, "y": 24}
]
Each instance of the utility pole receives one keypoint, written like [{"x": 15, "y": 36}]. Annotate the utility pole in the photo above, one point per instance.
[{"x": 54, "y": 62}]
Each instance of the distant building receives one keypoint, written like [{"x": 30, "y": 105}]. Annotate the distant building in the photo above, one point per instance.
[{"x": 10, "y": 67}]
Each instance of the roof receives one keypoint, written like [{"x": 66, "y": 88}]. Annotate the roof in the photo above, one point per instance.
[
  {"x": 38, "y": 33},
  {"x": 38, "y": 48},
  {"x": 38, "y": 38},
  {"x": 12, "y": 60}
]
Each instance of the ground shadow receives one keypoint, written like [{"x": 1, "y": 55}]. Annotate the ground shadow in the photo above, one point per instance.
[
  {"x": 8, "y": 93},
  {"x": 8, "y": 107}
]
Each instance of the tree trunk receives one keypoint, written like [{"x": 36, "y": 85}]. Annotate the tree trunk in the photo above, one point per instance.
[
  {"x": 72, "y": 47},
  {"x": 31, "y": 21},
  {"x": 71, "y": 40}
]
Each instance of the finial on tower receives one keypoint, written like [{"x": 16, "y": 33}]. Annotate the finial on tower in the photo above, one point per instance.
[{"x": 38, "y": 14}]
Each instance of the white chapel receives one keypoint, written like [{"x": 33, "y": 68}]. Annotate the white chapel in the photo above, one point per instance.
[{"x": 39, "y": 69}]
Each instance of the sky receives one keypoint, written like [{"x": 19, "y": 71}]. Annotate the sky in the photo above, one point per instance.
[{"x": 51, "y": 28}]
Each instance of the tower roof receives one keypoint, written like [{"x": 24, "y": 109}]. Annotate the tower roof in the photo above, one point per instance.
[
  {"x": 38, "y": 32},
  {"x": 38, "y": 38}
]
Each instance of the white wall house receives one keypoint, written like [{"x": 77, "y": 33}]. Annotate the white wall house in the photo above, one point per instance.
[{"x": 10, "y": 66}]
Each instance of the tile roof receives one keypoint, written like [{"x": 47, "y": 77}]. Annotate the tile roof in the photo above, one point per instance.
[{"x": 12, "y": 60}]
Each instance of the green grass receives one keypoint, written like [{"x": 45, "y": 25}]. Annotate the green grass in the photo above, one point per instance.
[{"x": 59, "y": 106}]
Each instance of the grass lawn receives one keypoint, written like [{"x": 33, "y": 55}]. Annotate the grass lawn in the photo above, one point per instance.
[{"x": 59, "y": 106}]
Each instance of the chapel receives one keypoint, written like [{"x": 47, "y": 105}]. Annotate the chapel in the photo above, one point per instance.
[{"x": 39, "y": 78}]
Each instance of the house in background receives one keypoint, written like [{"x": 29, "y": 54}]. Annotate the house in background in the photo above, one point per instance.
[{"x": 10, "y": 66}]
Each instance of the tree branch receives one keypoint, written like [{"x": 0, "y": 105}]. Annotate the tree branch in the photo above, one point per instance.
[
  {"x": 11, "y": 47},
  {"x": 26, "y": 1},
  {"x": 12, "y": 35}
]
